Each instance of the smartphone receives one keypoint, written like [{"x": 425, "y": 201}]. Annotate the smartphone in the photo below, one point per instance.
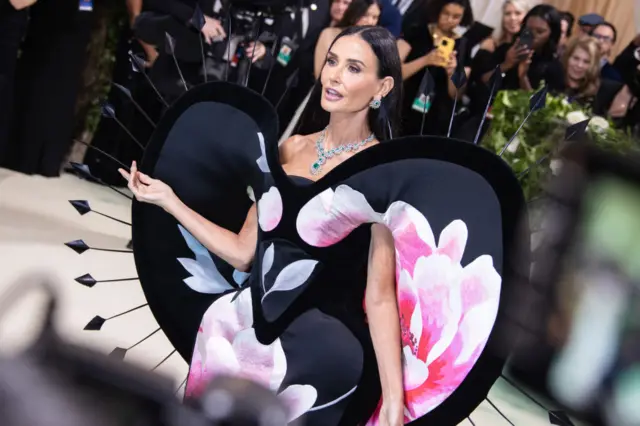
[
  {"x": 526, "y": 38},
  {"x": 445, "y": 46}
]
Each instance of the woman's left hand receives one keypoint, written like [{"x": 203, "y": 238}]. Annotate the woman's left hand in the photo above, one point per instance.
[
  {"x": 391, "y": 414},
  {"x": 452, "y": 64},
  {"x": 523, "y": 67}
]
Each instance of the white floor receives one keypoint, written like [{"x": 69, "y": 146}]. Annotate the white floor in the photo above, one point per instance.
[{"x": 36, "y": 220}]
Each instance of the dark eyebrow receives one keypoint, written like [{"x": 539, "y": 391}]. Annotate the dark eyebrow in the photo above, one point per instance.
[{"x": 353, "y": 61}]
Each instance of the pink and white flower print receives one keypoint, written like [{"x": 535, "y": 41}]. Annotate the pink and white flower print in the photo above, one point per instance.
[
  {"x": 447, "y": 310},
  {"x": 270, "y": 209},
  {"x": 226, "y": 345}
]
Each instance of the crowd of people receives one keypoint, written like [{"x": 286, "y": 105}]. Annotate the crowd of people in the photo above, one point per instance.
[{"x": 532, "y": 46}]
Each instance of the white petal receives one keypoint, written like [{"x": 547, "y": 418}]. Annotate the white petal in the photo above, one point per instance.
[
  {"x": 399, "y": 213},
  {"x": 221, "y": 359},
  {"x": 293, "y": 276},
  {"x": 262, "y": 160},
  {"x": 205, "y": 275},
  {"x": 267, "y": 263},
  {"x": 240, "y": 277},
  {"x": 298, "y": 399},
  {"x": 475, "y": 329},
  {"x": 415, "y": 372},
  {"x": 206, "y": 282},
  {"x": 279, "y": 365},
  {"x": 453, "y": 240},
  {"x": 270, "y": 209},
  {"x": 321, "y": 224}
]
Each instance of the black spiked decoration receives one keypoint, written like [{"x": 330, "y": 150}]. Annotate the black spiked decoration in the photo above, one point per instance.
[
  {"x": 106, "y": 154},
  {"x": 459, "y": 79},
  {"x": 85, "y": 172},
  {"x": 170, "y": 47},
  {"x": 109, "y": 112},
  {"x": 120, "y": 353},
  {"x": 496, "y": 82},
  {"x": 576, "y": 132},
  {"x": 164, "y": 360},
  {"x": 292, "y": 81},
  {"x": 537, "y": 102},
  {"x": 79, "y": 246},
  {"x": 128, "y": 94},
  {"x": 138, "y": 65},
  {"x": 197, "y": 21},
  {"x": 83, "y": 207},
  {"x": 427, "y": 86},
  {"x": 97, "y": 322},
  {"x": 555, "y": 417},
  {"x": 499, "y": 412},
  {"x": 560, "y": 418},
  {"x": 271, "y": 66},
  {"x": 87, "y": 280},
  {"x": 257, "y": 27}
]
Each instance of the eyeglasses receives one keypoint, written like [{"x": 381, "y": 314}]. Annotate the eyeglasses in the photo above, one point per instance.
[{"x": 602, "y": 38}]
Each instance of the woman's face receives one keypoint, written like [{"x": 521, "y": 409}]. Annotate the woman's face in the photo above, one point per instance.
[
  {"x": 450, "y": 17},
  {"x": 540, "y": 30},
  {"x": 512, "y": 18},
  {"x": 371, "y": 17},
  {"x": 349, "y": 78},
  {"x": 338, "y": 7},
  {"x": 578, "y": 64}
]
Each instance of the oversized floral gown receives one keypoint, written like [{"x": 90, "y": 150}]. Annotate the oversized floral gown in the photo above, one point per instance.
[{"x": 297, "y": 323}]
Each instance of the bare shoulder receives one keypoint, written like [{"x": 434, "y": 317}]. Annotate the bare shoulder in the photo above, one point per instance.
[
  {"x": 293, "y": 145},
  {"x": 488, "y": 44}
]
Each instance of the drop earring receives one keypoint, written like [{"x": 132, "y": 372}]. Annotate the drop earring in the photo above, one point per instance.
[{"x": 375, "y": 104}]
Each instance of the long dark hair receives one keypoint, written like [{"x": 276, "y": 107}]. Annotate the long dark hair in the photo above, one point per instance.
[
  {"x": 434, "y": 9},
  {"x": 383, "y": 121},
  {"x": 552, "y": 17},
  {"x": 356, "y": 10}
]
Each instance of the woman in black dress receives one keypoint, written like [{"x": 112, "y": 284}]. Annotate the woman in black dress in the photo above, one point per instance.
[
  {"x": 444, "y": 17},
  {"x": 352, "y": 311}
]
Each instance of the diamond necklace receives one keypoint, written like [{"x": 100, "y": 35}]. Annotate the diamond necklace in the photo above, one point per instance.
[{"x": 323, "y": 155}]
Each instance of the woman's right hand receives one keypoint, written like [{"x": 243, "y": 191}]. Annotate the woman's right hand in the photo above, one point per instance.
[
  {"x": 514, "y": 55},
  {"x": 146, "y": 189},
  {"x": 434, "y": 59}
]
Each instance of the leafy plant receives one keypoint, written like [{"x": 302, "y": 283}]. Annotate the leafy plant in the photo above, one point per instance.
[{"x": 533, "y": 148}]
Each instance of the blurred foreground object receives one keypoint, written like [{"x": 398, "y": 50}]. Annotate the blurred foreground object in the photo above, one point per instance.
[
  {"x": 54, "y": 383},
  {"x": 583, "y": 306}
]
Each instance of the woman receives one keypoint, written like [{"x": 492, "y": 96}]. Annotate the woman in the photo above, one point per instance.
[
  {"x": 581, "y": 62},
  {"x": 525, "y": 67},
  {"x": 513, "y": 12},
  {"x": 444, "y": 17},
  {"x": 361, "y": 77},
  {"x": 584, "y": 85},
  {"x": 358, "y": 13}
]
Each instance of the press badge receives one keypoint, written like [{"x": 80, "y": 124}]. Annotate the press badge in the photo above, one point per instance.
[
  {"x": 86, "y": 5},
  {"x": 422, "y": 103},
  {"x": 286, "y": 51}
]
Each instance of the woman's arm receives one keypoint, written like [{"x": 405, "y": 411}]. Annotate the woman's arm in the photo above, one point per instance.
[
  {"x": 21, "y": 4},
  {"x": 404, "y": 49},
  {"x": 235, "y": 249},
  {"x": 384, "y": 324}
]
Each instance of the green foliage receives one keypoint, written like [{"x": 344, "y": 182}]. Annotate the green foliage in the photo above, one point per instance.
[{"x": 542, "y": 135}]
